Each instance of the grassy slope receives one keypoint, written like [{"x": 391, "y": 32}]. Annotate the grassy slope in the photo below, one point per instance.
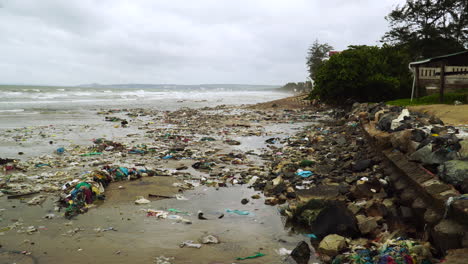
[{"x": 449, "y": 98}]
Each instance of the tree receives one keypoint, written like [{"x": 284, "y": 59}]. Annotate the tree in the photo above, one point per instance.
[
  {"x": 429, "y": 28},
  {"x": 364, "y": 74},
  {"x": 315, "y": 57}
]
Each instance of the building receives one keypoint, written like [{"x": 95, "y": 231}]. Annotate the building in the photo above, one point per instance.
[{"x": 447, "y": 73}]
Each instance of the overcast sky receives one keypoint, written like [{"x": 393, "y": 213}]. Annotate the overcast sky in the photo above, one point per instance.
[{"x": 65, "y": 42}]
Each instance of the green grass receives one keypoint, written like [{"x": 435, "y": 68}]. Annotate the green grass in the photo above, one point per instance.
[{"x": 449, "y": 98}]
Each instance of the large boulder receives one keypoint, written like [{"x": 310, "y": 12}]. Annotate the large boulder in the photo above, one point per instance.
[
  {"x": 301, "y": 254},
  {"x": 426, "y": 156},
  {"x": 367, "y": 224},
  {"x": 332, "y": 245},
  {"x": 448, "y": 234},
  {"x": 454, "y": 172},
  {"x": 335, "y": 218}
]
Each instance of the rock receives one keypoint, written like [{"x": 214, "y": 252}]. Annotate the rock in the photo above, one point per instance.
[
  {"x": 426, "y": 156},
  {"x": 361, "y": 190},
  {"x": 454, "y": 171},
  {"x": 341, "y": 140},
  {"x": 301, "y": 253},
  {"x": 271, "y": 201},
  {"x": 366, "y": 224},
  {"x": 255, "y": 196},
  {"x": 448, "y": 234},
  {"x": 244, "y": 201},
  {"x": 463, "y": 149},
  {"x": 37, "y": 200},
  {"x": 362, "y": 165},
  {"x": 210, "y": 239},
  {"x": 331, "y": 245},
  {"x": 456, "y": 256},
  {"x": 406, "y": 212},
  {"x": 401, "y": 140},
  {"x": 335, "y": 218}
]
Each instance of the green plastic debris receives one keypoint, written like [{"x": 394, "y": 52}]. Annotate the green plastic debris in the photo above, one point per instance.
[
  {"x": 306, "y": 163},
  {"x": 257, "y": 255},
  {"x": 239, "y": 212},
  {"x": 91, "y": 154},
  {"x": 177, "y": 211},
  {"x": 42, "y": 165}
]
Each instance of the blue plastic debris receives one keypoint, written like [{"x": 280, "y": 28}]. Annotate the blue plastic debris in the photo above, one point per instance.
[
  {"x": 60, "y": 150},
  {"x": 167, "y": 157},
  {"x": 238, "y": 212},
  {"x": 311, "y": 236},
  {"x": 305, "y": 174}
]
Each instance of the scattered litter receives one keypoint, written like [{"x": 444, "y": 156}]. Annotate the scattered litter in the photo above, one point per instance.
[
  {"x": 239, "y": 212},
  {"x": 189, "y": 244},
  {"x": 142, "y": 200},
  {"x": 257, "y": 255}
]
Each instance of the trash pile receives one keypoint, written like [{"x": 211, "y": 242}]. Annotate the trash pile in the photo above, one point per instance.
[
  {"x": 79, "y": 194},
  {"x": 423, "y": 138}
]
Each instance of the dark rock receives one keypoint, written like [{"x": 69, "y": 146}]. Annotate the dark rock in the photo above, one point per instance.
[
  {"x": 448, "y": 234},
  {"x": 362, "y": 165},
  {"x": 301, "y": 254},
  {"x": 335, "y": 219},
  {"x": 245, "y": 201},
  {"x": 454, "y": 172},
  {"x": 435, "y": 121}
]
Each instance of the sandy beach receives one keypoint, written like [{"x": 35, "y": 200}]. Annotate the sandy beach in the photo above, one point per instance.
[{"x": 135, "y": 237}]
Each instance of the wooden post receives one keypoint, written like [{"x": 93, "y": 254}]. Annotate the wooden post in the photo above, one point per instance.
[
  {"x": 416, "y": 82},
  {"x": 442, "y": 82}
]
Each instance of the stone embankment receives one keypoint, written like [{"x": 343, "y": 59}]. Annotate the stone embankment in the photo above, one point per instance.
[
  {"x": 385, "y": 185},
  {"x": 428, "y": 167}
]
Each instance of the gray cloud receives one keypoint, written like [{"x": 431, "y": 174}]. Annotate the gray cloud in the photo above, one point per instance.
[{"x": 186, "y": 42}]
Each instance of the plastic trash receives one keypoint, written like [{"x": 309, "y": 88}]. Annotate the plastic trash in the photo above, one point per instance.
[
  {"x": 177, "y": 211},
  {"x": 142, "y": 200},
  {"x": 91, "y": 154},
  {"x": 180, "y": 197},
  {"x": 239, "y": 212},
  {"x": 283, "y": 252},
  {"x": 304, "y": 174},
  {"x": 311, "y": 236},
  {"x": 210, "y": 239},
  {"x": 189, "y": 244},
  {"x": 60, "y": 150},
  {"x": 167, "y": 157},
  {"x": 257, "y": 255},
  {"x": 41, "y": 165}
]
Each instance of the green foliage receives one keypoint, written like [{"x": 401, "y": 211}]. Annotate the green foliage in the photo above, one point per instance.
[
  {"x": 429, "y": 28},
  {"x": 296, "y": 87},
  {"x": 449, "y": 98},
  {"x": 364, "y": 74},
  {"x": 315, "y": 57}
]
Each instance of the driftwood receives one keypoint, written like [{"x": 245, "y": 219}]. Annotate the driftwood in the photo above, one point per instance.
[
  {"x": 15, "y": 196},
  {"x": 159, "y": 196}
]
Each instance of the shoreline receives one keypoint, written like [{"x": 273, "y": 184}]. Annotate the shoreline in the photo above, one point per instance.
[{"x": 264, "y": 146}]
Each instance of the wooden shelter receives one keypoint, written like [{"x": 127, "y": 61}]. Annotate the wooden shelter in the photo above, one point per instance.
[{"x": 441, "y": 74}]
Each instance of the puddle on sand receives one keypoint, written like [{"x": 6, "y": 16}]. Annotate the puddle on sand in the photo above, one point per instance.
[{"x": 139, "y": 239}]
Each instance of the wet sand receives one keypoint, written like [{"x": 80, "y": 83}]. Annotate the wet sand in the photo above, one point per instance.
[{"x": 139, "y": 238}]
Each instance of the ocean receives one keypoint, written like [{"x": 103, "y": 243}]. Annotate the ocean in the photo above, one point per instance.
[{"x": 22, "y": 106}]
